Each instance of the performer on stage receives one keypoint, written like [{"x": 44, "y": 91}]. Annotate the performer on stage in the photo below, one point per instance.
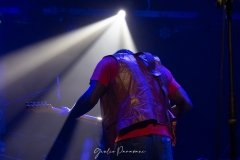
[{"x": 135, "y": 91}]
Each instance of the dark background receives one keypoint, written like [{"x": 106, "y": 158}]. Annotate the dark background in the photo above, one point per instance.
[{"x": 187, "y": 35}]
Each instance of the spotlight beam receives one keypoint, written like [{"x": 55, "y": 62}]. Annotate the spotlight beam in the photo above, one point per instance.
[{"x": 36, "y": 55}]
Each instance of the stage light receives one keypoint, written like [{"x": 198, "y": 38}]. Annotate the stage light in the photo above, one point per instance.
[{"x": 121, "y": 14}]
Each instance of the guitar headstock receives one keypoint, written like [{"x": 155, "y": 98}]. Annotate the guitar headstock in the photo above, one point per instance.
[{"x": 39, "y": 106}]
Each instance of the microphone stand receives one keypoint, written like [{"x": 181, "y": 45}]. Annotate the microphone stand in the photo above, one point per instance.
[{"x": 232, "y": 119}]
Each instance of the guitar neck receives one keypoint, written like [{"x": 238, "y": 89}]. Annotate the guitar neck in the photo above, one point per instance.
[
  {"x": 64, "y": 111},
  {"x": 90, "y": 118}
]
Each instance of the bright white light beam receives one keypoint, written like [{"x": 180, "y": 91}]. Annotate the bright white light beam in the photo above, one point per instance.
[{"x": 121, "y": 14}]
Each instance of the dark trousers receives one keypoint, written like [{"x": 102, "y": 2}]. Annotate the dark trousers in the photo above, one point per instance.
[{"x": 151, "y": 147}]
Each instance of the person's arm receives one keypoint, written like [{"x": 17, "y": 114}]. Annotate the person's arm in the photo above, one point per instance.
[
  {"x": 182, "y": 101},
  {"x": 104, "y": 73},
  {"x": 88, "y": 100},
  {"x": 177, "y": 95}
]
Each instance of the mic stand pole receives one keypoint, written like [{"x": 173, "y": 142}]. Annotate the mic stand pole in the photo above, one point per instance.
[{"x": 232, "y": 119}]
